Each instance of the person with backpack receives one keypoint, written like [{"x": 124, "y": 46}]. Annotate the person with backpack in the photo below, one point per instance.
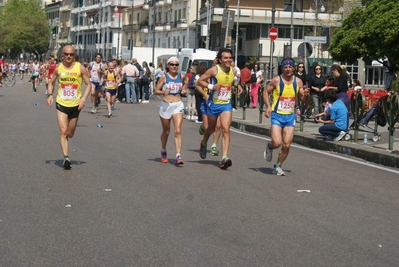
[
  {"x": 191, "y": 108},
  {"x": 281, "y": 112},
  {"x": 256, "y": 81}
]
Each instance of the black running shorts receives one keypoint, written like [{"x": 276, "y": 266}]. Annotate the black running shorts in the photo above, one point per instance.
[{"x": 71, "y": 112}]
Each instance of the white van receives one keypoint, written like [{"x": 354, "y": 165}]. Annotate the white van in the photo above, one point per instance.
[{"x": 195, "y": 56}]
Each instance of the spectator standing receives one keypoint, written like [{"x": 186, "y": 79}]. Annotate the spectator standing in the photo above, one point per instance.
[
  {"x": 190, "y": 81},
  {"x": 130, "y": 74},
  {"x": 256, "y": 80},
  {"x": 340, "y": 84},
  {"x": 145, "y": 82},
  {"x": 158, "y": 72},
  {"x": 317, "y": 82},
  {"x": 139, "y": 92},
  {"x": 237, "y": 78},
  {"x": 246, "y": 80}
]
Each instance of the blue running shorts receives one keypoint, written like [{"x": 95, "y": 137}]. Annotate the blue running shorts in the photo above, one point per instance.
[
  {"x": 282, "y": 120},
  {"x": 215, "y": 110}
]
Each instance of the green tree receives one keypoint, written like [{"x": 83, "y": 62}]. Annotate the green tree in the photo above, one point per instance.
[
  {"x": 24, "y": 27},
  {"x": 369, "y": 32}
]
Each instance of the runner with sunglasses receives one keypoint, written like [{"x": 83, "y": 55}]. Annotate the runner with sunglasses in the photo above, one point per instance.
[
  {"x": 70, "y": 100},
  {"x": 171, "y": 86}
]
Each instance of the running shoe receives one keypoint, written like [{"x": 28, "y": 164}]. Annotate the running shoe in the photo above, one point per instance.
[
  {"x": 340, "y": 135},
  {"x": 277, "y": 170},
  {"x": 268, "y": 154},
  {"x": 112, "y": 108},
  {"x": 164, "y": 157},
  {"x": 202, "y": 151},
  {"x": 201, "y": 129},
  {"x": 214, "y": 151},
  {"x": 93, "y": 110},
  {"x": 109, "y": 115},
  {"x": 66, "y": 164},
  {"x": 226, "y": 162},
  {"x": 179, "y": 161}
]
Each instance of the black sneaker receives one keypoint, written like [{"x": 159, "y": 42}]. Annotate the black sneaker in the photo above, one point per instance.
[
  {"x": 226, "y": 162},
  {"x": 67, "y": 164}
]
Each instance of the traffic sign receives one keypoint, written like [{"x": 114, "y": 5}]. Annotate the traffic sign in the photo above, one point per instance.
[
  {"x": 316, "y": 39},
  {"x": 273, "y": 33}
]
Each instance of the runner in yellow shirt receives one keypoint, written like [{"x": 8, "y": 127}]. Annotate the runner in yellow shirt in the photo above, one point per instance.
[
  {"x": 284, "y": 88},
  {"x": 112, "y": 79},
  {"x": 70, "y": 100}
]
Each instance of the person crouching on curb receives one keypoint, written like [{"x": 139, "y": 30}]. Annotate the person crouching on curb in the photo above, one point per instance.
[{"x": 334, "y": 128}]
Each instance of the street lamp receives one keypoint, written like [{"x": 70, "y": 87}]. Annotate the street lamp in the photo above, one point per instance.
[
  {"x": 208, "y": 15},
  {"x": 119, "y": 29}
]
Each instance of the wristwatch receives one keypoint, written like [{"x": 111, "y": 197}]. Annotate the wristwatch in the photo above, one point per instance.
[{"x": 49, "y": 95}]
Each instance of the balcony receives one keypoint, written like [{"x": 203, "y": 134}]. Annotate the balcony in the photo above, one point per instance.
[
  {"x": 65, "y": 8},
  {"x": 166, "y": 26},
  {"x": 182, "y": 24},
  {"x": 99, "y": 46},
  {"x": 159, "y": 3},
  {"x": 168, "y": 2},
  {"x": 144, "y": 29},
  {"x": 130, "y": 28}
]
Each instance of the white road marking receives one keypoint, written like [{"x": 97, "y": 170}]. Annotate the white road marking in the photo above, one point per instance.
[{"x": 339, "y": 156}]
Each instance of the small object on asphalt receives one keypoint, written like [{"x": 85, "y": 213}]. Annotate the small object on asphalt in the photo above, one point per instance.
[
  {"x": 108, "y": 190},
  {"x": 68, "y": 206},
  {"x": 74, "y": 150},
  {"x": 100, "y": 125},
  {"x": 35, "y": 104},
  {"x": 303, "y": 191},
  {"x": 380, "y": 246},
  {"x": 49, "y": 189}
]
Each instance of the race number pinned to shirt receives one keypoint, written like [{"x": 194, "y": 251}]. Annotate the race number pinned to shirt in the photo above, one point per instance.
[
  {"x": 111, "y": 83},
  {"x": 175, "y": 88},
  {"x": 69, "y": 91},
  {"x": 224, "y": 93},
  {"x": 286, "y": 104}
]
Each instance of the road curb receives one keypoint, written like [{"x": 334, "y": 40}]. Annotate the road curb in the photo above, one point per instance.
[{"x": 384, "y": 157}]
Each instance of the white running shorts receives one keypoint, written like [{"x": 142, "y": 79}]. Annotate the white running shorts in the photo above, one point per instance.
[{"x": 166, "y": 110}]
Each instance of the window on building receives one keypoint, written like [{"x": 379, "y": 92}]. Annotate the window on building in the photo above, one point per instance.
[
  {"x": 374, "y": 76},
  {"x": 184, "y": 13},
  {"x": 353, "y": 70},
  {"x": 288, "y": 5}
]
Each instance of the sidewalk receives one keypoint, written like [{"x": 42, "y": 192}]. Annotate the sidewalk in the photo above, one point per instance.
[{"x": 376, "y": 152}]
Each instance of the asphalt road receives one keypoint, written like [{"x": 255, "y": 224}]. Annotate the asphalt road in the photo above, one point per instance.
[{"x": 119, "y": 206}]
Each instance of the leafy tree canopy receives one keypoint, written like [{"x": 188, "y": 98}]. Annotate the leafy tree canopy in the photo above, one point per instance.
[
  {"x": 23, "y": 27},
  {"x": 369, "y": 32}
]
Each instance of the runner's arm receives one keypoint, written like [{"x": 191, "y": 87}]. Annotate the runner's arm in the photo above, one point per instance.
[
  {"x": 204, "y": 78},
  {"x": 50, "y": 88}
]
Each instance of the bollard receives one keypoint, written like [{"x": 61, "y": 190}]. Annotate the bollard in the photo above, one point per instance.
[
  {"x": 302, "y": 108},
  {"x": 358, "y": 102},
  {"x": 390, "y": 105},
  {"x": 244, "y": 100}
]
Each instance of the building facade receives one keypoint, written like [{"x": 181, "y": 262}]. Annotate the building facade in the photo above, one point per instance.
[{"x": 110, "y": 27}]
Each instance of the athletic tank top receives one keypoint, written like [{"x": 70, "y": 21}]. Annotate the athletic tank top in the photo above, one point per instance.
[
  {"x": 110, "y": 81},
  {"x": 223, "y": 95},
  {"x": 70, "y": 85},
  {"x": 94, "y": 72},
  {"x": 174, "y": 85},
  {"x": 284, "y": 100},
  {"x": 51, "y": 69}
]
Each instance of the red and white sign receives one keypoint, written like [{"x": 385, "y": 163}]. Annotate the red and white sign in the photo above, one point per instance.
[{"x": 273, "y": 33}]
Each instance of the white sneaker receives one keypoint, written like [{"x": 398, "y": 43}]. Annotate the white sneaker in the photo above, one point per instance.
[
  {"x": 93, "y": 110},
  {"x": 277, "y": 170},
  {"x": 339, "y": 137},
  {"x": 145, "y": 101}
]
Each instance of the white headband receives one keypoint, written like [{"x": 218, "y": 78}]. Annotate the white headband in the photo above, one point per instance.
[{"x": 172, "y": 59}]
